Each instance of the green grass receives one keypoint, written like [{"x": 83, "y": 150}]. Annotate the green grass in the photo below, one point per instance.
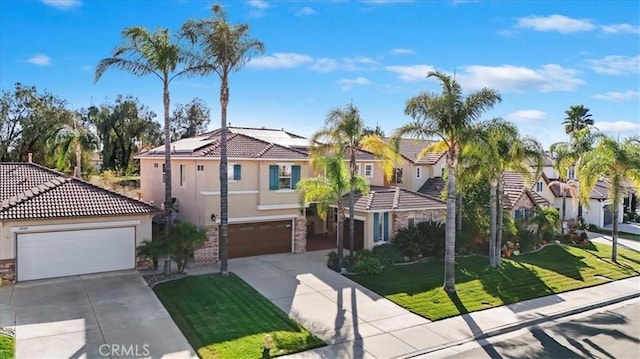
[
  {"x": 554, "y": 269},
  {"x": 224, "y": 317},
  {"x": 625, "y": 235},
  {"x": 7, "y": 347}
]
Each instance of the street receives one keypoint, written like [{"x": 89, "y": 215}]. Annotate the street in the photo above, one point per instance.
[{"x": 611, "y": 332}]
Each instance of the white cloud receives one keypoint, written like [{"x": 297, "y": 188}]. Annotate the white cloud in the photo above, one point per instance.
[
  {"x": 526, "y": 116},
  {"x": 509, "y": 78},
  {"x": 325, "y": 64},
  {"x": 40, "y": 60},
  {"x": 618, "y": 126},
  {"x": 615, "y": 64},
  {"x": 306, "y": 11},
  {"x": 347, "y": 83},
  {"x": 402, "y": 51},
  {"x": 360, "y": 63},
  {"x": 557, "y": 23},
  {"x": 87, "y": 68},
  {"x": 287, "y": 60},
  {"x": 62, "y": 4},
  {"x": 620, "y": 29},
  {"x": 413, "y": 73},
  {"x": 259, "y": 6},
  {"x": 616, "y": 96}
]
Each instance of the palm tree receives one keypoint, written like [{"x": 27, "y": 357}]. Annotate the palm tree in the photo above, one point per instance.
[
  {"x": 500, "y": 148},
  {"x": 450, "y": 117},
  {"x": 572, "y": 187},
  {"x": 144, "y": 53},
  {"x": 578, "y": 117},
  {"x": 69, "y": 140},
  {"x": 329, "y": 189},
  {"x": 344, "y": 133},
  {"x": 220, "y": 48},
  {"x": 613, "y": 162}
]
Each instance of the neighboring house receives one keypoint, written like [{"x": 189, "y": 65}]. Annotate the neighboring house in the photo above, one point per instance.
[
  {"x": 414, "y": 172},
  {"x": 54, "y": 225}
]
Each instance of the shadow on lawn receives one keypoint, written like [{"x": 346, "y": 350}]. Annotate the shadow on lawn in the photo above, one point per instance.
[{"x": 558, "y": 259}]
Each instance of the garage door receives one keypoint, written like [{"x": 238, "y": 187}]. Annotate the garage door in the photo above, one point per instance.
[
  {"x": 358, "y": 238},
  {"x": 59, "y": 254},
  {"x": 252, "y": 239}
]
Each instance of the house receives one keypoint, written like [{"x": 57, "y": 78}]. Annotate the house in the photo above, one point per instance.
[
  {"x": 54, "y": 225},
  {"x": 414, "y": 170}
]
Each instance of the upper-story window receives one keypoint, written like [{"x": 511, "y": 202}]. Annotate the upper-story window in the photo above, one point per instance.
[
  {"x": 155, "y": 165},
  {"x": 164, "y": 172},
  {"x": 539, "y": 186},
  {"x": 183, "y": 175},
  {"x": 200, "y": 168},
  {"x": 571, "y": 173},
  {"x": 234, "y": 172},
  {"x": 368, "y": 170},
  {"x": 397, "y": 175},
  {"x": 283, "y": 176},
  {"x": 418, "y": 172}
]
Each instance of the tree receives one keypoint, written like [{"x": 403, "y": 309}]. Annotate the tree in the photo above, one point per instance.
[
  {"x": 613, "y": 162},
  {"x": 328, "y": 190},
  {"x": 578, "y": 117},
  {"x": 344, "y": 133},
  {"x": 143, "y": 53},
  {"x": 69, "y": 140},
  {"x": 189, "y": 120},
  {"x": 571, "y": 187},
  {"x": 220, "y": 48},
  {"x": 499, "y": 148},
  {"x": 546, "y": 220},
  {"x": 450, "y": 117},
  {"x": 185, "y": 238}
]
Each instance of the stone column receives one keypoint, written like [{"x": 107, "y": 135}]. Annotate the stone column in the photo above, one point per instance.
[
  {"x": 8, "y": 270},
  {"x": 209, "y": 250},
  {"x": 300, "y": 235}
]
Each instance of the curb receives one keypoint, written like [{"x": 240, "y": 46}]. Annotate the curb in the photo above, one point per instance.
[{"x": 520, "y": 325}]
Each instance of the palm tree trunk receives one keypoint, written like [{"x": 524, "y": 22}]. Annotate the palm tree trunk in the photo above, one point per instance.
[
  {"x": 450, "y": 234},
  {"x": 493, "y": 213},
  {"x": 352, "y": 203},
  {"x": 459, "y": 212},
  {"x": 78, "y": 159},
  {"x": 499, "y": 221},
  {"x": 224, "y": 181},
  {"x": 168, "y": 210},
  {"x": 615, "y": 191},
  {"x": 564, "y": 207},
  {"x": 340, "y": 235}
]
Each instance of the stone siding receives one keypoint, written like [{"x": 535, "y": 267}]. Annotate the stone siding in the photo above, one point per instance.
[
  {"x": 523, "y": 202},
  {"x": 209, "y": 252},
  {"x": 401, "y": 219},
  {"x": 300, "y": 235},
  {"x": 8, "y": 270}
]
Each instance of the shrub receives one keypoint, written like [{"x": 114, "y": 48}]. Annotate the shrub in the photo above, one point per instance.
[
  {"x": 184, "y": 238},
  {"x": 361, "y": 253},
  {"x": 431, "y": 238},
  {"x": 407, "y": 241},
  {"x": 527, "y": 239},
  {"x": 332, "y": 261},
  {"x": 388, "y": 254},
  {"x": 367, "y": 265}
]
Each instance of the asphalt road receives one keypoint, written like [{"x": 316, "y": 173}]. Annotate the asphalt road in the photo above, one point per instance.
[{"x": 611, "y": 332}]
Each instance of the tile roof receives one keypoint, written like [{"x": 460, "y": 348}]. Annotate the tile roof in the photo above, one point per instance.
[
  {"x": 600, "y": 191},
  {"x": 393, "y": 198},
  {"x": 433, "y": 187},
  {"x": 410, "y": 149},
  {"x": 31, "y": 191}
]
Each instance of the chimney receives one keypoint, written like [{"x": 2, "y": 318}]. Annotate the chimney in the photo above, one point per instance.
[{"x": 30, "y": 157}]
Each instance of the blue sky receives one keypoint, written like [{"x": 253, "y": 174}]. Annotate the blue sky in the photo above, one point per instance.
[{"x": 543, "y": 56}]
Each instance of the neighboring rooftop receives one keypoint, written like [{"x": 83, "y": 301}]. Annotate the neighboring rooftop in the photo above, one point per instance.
[
  {"x": 410, "y": 149},
  {"x": 395, "y": 198},
  {"x": 272, "y": 135},
  {"x": 433, "y": 187},
  {"x": 31, "y": 191}
]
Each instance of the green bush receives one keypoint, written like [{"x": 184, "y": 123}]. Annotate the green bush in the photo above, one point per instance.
[
  {"x": 431, "y": 238},
  {"x": 367, "y": 265},
  {"x": 388, "y": 254},
  {"x": 527, "y": 239},
  {"x": 407, "y": 240},
  {"x": 332, "y": 261},
  {"x": 361, "y": 253}
]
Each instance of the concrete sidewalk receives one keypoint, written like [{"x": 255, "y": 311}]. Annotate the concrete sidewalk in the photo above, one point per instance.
[{"x": 622, "y": 242}]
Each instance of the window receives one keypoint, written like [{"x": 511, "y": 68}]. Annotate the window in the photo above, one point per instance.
[
  {"x": 418, "y": 172},
  {"x": 539, "y": 186},
  {"x": 200, "y": 168},
  {"x": 163, "y": 172},
  {"x": 183, "y": 175},
  {"x": 571, "y": 173},
  {"x": 357, "y": 168},
  {"x": 397, "y": 176},
  {"x": 442, "y": 172},
  {"x": 368, "y": 170},
  {"x": 155, "y": 165},
  {"x": 283, "y": 176},
  {"x": 234, "y": 172}
]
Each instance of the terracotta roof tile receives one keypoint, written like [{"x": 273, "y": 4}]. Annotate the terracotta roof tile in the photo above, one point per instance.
[
  {"x": 410, "y": 149},
  {"x": 393, "y": 198}
]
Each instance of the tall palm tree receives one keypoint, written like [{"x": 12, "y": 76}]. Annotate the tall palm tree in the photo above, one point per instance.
[
  {"x": 143, "y": 53},
  {"x": 328, "y": 190},
  {"x": 565, "y": 186},
  {"x": 578, "y": 117},
  {"x": 344, "y": 133},
  {"x": 220, "y": 48},
  {"x": 613, "y": 162},
  {"x": 450, "y": 117},
  {"x": 69, "y": 140},
  {"x": 500, "y": 148}
]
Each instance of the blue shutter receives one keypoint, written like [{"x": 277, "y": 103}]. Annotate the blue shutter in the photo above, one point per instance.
[
  {"x": 295, "y": 176},
  {"x": 237, "y": 172},
  {"x": 385, "y": 224},
  {"x": 273, "y": 177},
  {"x": 376, "y": 226}
]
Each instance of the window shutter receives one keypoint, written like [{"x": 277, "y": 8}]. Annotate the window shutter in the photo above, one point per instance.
[
  {"x": 273, "y": 177},
  {"x": 237, "y": 172},
  {"x": 376, "y": 227},
  {"x": 385, "y": 224},
  {"x": 295, "y": 176}
]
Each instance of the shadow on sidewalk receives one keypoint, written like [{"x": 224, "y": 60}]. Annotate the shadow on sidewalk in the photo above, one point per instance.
[{"x": 475, "y": 329}]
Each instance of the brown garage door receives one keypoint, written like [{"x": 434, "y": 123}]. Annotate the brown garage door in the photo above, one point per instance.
[
  {"x": 253, "y": 239},
  {"x": 358, "y": 238}
]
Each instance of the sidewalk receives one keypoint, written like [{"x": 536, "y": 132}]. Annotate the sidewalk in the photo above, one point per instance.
[
  {"x": 455, "y": 331},
  {"x": 623, "y": 242}
]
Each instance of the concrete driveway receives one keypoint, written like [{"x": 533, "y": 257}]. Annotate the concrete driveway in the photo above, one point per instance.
[{"x": 94, "y": 316}]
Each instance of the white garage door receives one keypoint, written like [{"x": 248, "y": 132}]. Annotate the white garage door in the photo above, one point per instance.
[{"x": 59, "y": 254}]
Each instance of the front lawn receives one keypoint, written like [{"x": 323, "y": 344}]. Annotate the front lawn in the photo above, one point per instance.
[
  {"x": 554, "y": 269},
  {"x": 625, "y": 235},
  {"x": 7, "y": 347},
  {"x": 224, "y": 317}
]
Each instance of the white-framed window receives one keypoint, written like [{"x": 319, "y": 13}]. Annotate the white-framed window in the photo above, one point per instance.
[
  {"x": 155, "y": 165},
  {"x": 164, "y": 172},
  {"x": 200, "y": 168},
  {"x": 418, "y": 172},
  {"x": 183, "y": 175},
  {"x": 397, "y": 175},
  {"x": 368, "y": 170},
  {"x": 539, "y": 186},
  {"x": 284, "y": 177},
  {"x": 358, "y": 168},
  {"x": 571, "y": 173},
  {"x": 234, "y": 172}
]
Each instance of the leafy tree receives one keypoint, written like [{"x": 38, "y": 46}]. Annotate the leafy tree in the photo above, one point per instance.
[
  {"x": 373, "y": 131},
  {"x": 546, "y": 220},
  {"x": 143, "y": 53},
  {"x": 69, "y": 140},
  {"x": 578, "y": 118},
  {"x": 329, "y": 189},
  {"x": 450, "y": 117},
  {"x": 344, "y": 133},
  {"x": 613, "y": 162},
  {"x": 189, "y": 120},
  {"x": 185, "y": 238},
  {"x": 220, "y": 48}
]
